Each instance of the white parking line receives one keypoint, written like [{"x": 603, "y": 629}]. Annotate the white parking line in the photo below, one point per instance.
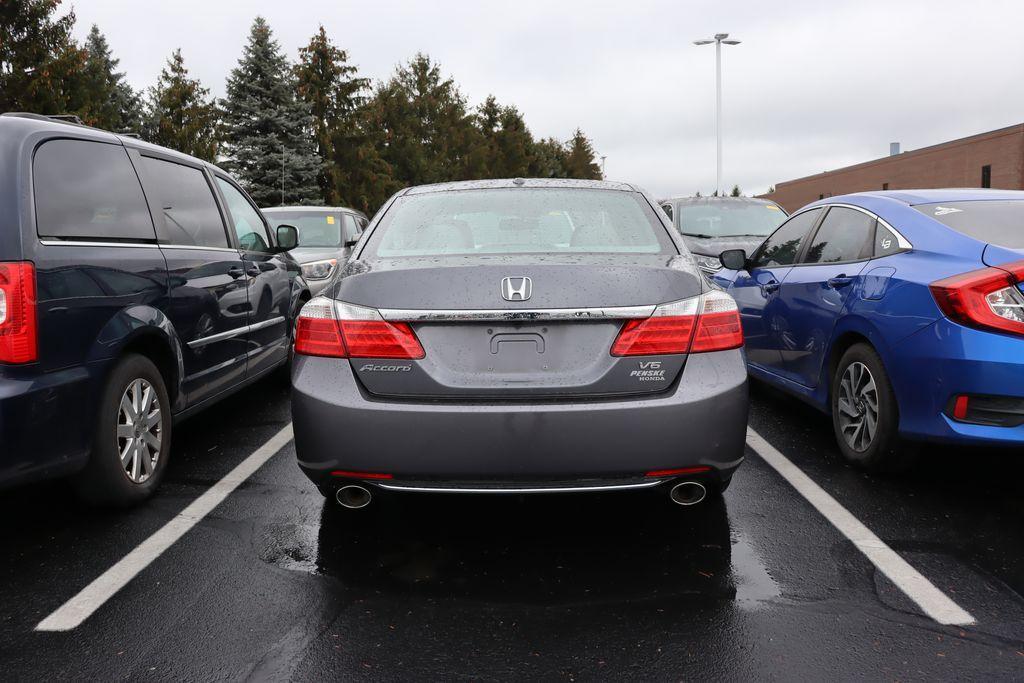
[
  {"x": 930, "y": 599},
  {"x": 76, "y": 610}
]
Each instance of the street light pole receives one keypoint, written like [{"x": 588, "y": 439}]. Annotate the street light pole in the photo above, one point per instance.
[{"x": 718, "y": 40}]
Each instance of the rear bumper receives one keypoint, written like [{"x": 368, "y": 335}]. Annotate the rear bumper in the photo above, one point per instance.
[
  {"x": 945, "y": 360},
  {"x": 45, "y": 423},
  {"x": 700, "y": 422}
]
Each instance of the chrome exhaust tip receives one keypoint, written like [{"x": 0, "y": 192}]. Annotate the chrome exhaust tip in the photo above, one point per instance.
[
  {"x": 353, "y": 497},
  {"x": 688, "y": 493}
]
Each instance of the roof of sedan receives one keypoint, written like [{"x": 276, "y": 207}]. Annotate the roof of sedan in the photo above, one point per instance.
[
  {"x": 307, "y": 207},
  {"x": 520, "y": 182},
  {"x": 713, "y": 200},
  {"x": 913, "y": 197}
]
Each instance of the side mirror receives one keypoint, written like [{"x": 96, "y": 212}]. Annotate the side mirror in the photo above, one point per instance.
[
  {"x": 287, "y": 237},
  {"x": 351, "y": 243},
  {"x": 733, "y": 259}
]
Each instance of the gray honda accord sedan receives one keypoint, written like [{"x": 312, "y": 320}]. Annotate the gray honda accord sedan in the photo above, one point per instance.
[{"x": 519, "y": 336}]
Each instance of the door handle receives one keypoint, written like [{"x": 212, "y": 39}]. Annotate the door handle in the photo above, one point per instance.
[
  {"x": 235, "y": 272},
  {"x": 840, "y": 281},
  {"x": 253, "y": 270}
]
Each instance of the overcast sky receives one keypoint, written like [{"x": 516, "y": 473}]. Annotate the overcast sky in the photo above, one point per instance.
[{"x": 815, "y": 84}]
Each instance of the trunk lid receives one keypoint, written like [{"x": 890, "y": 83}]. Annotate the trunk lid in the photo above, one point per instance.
[{"x": 556, "y": 343}]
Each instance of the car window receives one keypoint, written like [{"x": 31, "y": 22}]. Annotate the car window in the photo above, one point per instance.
[
  {"x": 362, "y": 222},
  {"x": 727, "y": 217},
  {"x": 999, "y": 222},
  {"x": 844, "y": 235},
  {"x": 885, "y": 241},
  {"x": 667, "y": 208},
  {"x": 248, "y": 223},
  {"x": 782, "y": 247},
  {"x": 89, "y": 190},
  {"x": 520, "y": 221},
  {"x": 320, "y": 228},
  {"x": 351, "y": 229},
  {"x": 186, "y": 199}
]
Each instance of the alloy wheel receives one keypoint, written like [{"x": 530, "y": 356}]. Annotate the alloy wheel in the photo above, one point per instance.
[
  {"x": 139, "y": 430},
  {"x": 858, "y": 407}
]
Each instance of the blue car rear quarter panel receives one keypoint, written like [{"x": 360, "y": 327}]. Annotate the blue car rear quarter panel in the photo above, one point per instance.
[
  {"x": 700, "y": 421},
  {"x": 947, "y": 359}
]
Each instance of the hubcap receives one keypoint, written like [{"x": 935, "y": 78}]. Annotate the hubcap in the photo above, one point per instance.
[
  {"x": 139, "y": 430},
  {"x": 858, "y": 407}
]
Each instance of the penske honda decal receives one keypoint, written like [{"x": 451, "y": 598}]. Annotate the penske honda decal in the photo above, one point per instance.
[{"x": 649, "y": 371}]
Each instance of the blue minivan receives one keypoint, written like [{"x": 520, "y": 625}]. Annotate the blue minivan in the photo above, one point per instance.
[{"x": 138, "y": 285}]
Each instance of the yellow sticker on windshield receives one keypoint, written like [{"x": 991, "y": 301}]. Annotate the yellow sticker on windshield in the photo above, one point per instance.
[{"x": 330, "y": 220}]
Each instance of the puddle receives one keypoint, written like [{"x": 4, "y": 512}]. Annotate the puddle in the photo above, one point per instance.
[{"x": 753, "y": 584}]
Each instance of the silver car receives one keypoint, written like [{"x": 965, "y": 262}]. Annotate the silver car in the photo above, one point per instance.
[
  {"x": 326, "y": 237},
  {"x": 519, "y": 336}
]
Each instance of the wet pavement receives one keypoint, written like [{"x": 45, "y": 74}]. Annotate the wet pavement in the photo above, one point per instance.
[{"x": 277, "y": 584}]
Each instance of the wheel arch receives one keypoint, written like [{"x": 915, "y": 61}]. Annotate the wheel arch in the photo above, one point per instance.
[
  {"x": 850, "y": 331},
  {"x": 148, "y": 332}
]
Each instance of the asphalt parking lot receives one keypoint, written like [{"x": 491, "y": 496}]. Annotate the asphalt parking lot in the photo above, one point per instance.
[{"x": 276, "y": 583}]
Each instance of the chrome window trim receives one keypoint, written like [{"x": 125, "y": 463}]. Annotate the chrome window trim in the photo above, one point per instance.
[
  {"x": 221, "y": 336},
  {"x": 132, "y": 245},
  {"x": 84, "y": 243},
  {"x": 515, "y": 490},
  {"x": 198, "y": 247},
  {"x": 512, "y": 315}
]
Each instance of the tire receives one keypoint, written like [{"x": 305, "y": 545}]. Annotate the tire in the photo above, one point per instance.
[
  {"x": 860, "y": 380},
  {"x": 105, "y": 480}
]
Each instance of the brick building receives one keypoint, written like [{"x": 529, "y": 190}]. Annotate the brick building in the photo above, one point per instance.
[{"x": 993, "y": 159}]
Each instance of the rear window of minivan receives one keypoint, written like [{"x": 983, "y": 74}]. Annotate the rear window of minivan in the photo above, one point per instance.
[
  {"x": 88, "y": 190},
  {"x": 999, "y": 222}
]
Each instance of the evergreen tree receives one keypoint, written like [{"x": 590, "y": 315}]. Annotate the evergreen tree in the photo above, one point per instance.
[
  {"x": 549, "y": 159},
  {"x": 423, "y": 129},
  {"x": 181, "y": 115},
  {"x": 580, "y": 160},
  {"x": 39, "y": 60},
  {"x": 506, "y": 143},
  {"x": 735, "y": 191},
  {"x": 328, "y": 84},
  {"x": 268, "y": 136},
  {"x": 109, "y": 101}
]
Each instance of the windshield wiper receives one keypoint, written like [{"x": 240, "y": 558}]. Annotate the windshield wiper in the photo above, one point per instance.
[{"x": 700, "y": 235}]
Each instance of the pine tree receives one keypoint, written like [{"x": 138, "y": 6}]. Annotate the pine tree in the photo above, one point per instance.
[
  {"x": 40, "y": 62},
  {"x": 735, "y": 191},
  {"x": 181, "y": 115},
  {"x": 268, "y": 136},
  {"x": 422, "y": 127},
  {"x": 506, "y": 144},
  {"x": 109, "y": 101},
  {"x": 549, "y": 159},
  {"x": 580, "y": 160},
  {"x": 328, "y": 84}
]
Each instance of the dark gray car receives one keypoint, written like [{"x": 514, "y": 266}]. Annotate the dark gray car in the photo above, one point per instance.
[
  {"x": 711, "y": 225},
  {"x": 519, "y": 336},
  {"x": 326, "y": 237}
]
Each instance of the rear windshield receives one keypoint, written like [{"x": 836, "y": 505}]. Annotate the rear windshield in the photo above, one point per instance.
[
  {"x": 729, "y": 219},
  {"x": 520, "y": 221},
  {"x": 316, "y": 228},
  {"x": 995, "y": 222}
]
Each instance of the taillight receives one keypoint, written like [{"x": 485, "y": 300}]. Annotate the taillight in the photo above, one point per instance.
[
  {"x": 710, "y": 322},
  {"x": 18, "y": 324},
  {"x": 339, "y": 330},
  {"x": 988, "y": 298}
]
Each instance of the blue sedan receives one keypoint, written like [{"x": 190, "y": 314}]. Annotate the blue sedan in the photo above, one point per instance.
[{"x": 899, "y": 313}]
